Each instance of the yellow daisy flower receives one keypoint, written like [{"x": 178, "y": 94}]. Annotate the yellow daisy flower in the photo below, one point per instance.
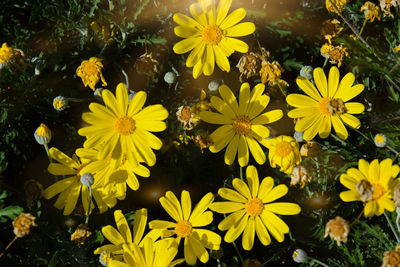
[
  {"x": 371, "y": 11},
  {"x": 90, "y": 72},
  {"x": 114, "y": 181},
  {"x": 209, "y": 35},
  {"x": 123, "y": 129},
  {"x": 372, "y": 184},
  {"x": 6, "y": 53},
  {"x": 123, "y": 235},
  {"x": 71, "y": 187},
  {"x": 243, "y": 123},
  {"x": 252, "y": 211},
  {"x": 284, "y": 152},
  {"x": 159, "y": 254},
  {"x": 195, "y": 240},
  {"x": 327, "y": 105}
]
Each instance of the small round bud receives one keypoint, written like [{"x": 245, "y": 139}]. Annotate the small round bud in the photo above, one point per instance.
[
  {"x": 380, "y": 140},
  {"x": 170, "y": 77},
  {"x": 60, "y": 103},
  {"x": 298, "y": 136},
  {"x": 42, "y": 134},
  {"x": 87, "y": 179},
  {"x": 307, "y": 72},
  {"x": 300, "y": 256},
  {"x": 213, "y": 86},
  {"x": 105, "y": 257}
]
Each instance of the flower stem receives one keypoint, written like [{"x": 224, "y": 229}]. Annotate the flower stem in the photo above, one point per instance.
[
  {"x": 8, "y": 246},
  {"x": 46, "y": 148},
  {"x": 398, "y": 218},
  {"x": 362, "y": 28},
  {"x": 280, "y": 87},
  {"x": 90, "y": 202},
  {"x": 318, "y": 261},
  {"x": 325, "y": 62},
  {"x": 241, "y": 173},
  {"x": 392, "y": 227},
  {"x": 238, "y": 252},
  {"x": 124, "y": 74},
  {"x": 356, "y": 219}
]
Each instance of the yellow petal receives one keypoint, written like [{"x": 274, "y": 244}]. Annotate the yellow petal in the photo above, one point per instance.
[
  {"x": 72, "y": 198},
  {"x": 241, "y": 187},
  {"x": 308, "y": 88},
  {"x": 345, "y": 84},
  {"x": 339, "y": 127},
  {"x": 62, "y": 158},
  {"x": 236, "y": 230},
  {"x": 170, "y": 208},
  {"x": 112, "y": 235},
  {"x": 111, "y": 102},
  {"x": 298, "y": 101},
  {"x": 186, "y": 204},
  {"x": 222, "y": 107},
  {"x": 237, "y": 45},
  {"x": 231, "y": 195},
  {"x": 249, "y": 234},
  {"x": 196, "y": 55},
  {"x": 139, "y": 225},
  {"x": 208, "y": 238},
  {"x": 122, "y": 97},
  {"x": 221, "y": 59},
  {"x": 252, "y": 180},
  {"x": 136, "y": 103},
  {"x": 268, "y": 117},
  {"x": 231, "y": 220},
  {"x": 186, "y": 32},
  {"x": 186, "y": 45},
  {"x": 265, "y": 187},
  {"x": 184, "y": 20},
  {"x": 277, "y": 192},
  {"x": 283, "y": 208},
  {"x": 123, "y": 226},
  {"x": 244, "y": 98},
  {"x": 333, "y": 81},
  {"x": 203, "y": 205},
  {"x": 233, "y": 18},
  {"x": 209, "y": 61},
  {"x": 228, "y": 96},
  {"x": 215, "y": 118},
  {"x": 354, "y": 107},
  {"x": 262, "y": 232},
  {"x": 58, "y": 187},
  {"x": 226, "y": 206},
  {"x": 350, "y": 93},
  {"x": 256, "y": 150},
  {"x": 320, "y": 81},
  {"x": 198, "y": 249},
  {"x": 349, "y": 195},
  {"x": 161, "y": 224},
  {"x": 190, "y": 256},
  {"x": 222, "y": 10},
  {"x": 221, "y": 137},
  {"x": 60, "y": 169},
  {"x": 243, "y": 151},
  {"x": 351, "y": 120},
  {"x": 241, "y": 29},
  {"x": 231, "y": 150},
  {"x": 258, "y": 106}
]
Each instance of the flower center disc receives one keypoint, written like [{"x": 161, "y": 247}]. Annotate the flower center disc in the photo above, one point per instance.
[
  {"x": 378, "y": 191},
  {"x": 323, "y": 106},
  {"x": 283, "y": 148},
  {"x": 211, "y": 35},
  {"x": 183, "y": 228},
  {"x": 90, "y": 68},
  {"x": 124, "y": 125},
  {"x": 254, "y": 206},
  {"x": 394, "y": 258},
  {"x": 242, "y": 125},
  {"x": 186, "y": 114}
]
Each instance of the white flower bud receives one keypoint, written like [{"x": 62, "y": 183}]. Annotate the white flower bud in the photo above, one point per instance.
[
  {"x": 87, "y": 179},
  {"x": 170, "y": 77},
  {"x": 42, "y": 134},
  {"x": 307, "y": 72},
  {"x": 60, "y": 103},
  {"x": 213, "y": 86},
  {"x": 300, "y": 256}
]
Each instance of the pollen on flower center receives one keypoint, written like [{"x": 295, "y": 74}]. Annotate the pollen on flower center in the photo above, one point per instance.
[
  {"x": 211, "y": 35},
  {"x": 183, "y": 228},
  {"x": 331, "y": 106},
  {"x": 323, "y": 105},
  {"x": 90, "y": 68},
  {"x": 283, "y": 148},
  {"x": 242, "y": 125},
  {"x": 254, "y": 206},
  {"x": 186, "y": 114},
  {"x": 378, "y": 191},
  {"x": 369, "y": 191},
  {"x": 124, "y": 125}
]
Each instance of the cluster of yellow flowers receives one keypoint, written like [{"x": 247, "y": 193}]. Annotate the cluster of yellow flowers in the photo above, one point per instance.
[{"x": 253, "y": 211}]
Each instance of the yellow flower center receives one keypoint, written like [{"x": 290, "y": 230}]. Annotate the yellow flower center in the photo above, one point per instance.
[
  {"x": 242, "y": 125},
  {"x": 90, "y": 68},
  {"x": 124, "y": 125},
  {"x": 183, "y": 228},
  {"x": 186, "y": 114},
  {"x": 254, "y": 206},
  {"x": 394, "y": 258},
  {"x": 211, "y": 34},
  {"x": 379, "y": 139},
  {"x": 378, "y": 191},
  {"x": 283, "y": 148},
  {"x": 331, "y": 106}
]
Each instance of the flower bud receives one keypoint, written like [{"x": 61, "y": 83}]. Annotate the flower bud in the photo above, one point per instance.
[
  {"x": 380, "y": 140},
  {"x": 23, "y": 224},
  {"x": 307, "y": 72},
  {"x": 60, "y": 103},
  {"x": 170, "y": 77},
  {"x": 87, "y": 179},
  {"x": 43, "y": 134},
  {"x": 300, "y": 256},
  {"x": 213, "y": 86}
]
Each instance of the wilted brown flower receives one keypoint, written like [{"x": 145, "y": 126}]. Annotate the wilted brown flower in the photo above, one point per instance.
[
  {"x": 337, "y": 229},
  {"x": 371, "y": 11},
  {"x": 386, "y": 5},
  {"x": 334, "y": 53},
  {"x": 311, "y": 149},
  {"x": 23, "y": 224},
  {"x": 147, "y": 65},
  {"x": 250, "y": 63},
  {"x": 330, "y": 29},
  {"x": 338, "y": 3},
  {"x": 270, "y": 72},
  {"x": 186, "y": 117},
  {"x": 391, "y": 258},
  {"x": 33, "y": 191},
  {"x": 396, "y": 195},
  {"x": 202, "y": 140},
  {"x": 81, "y": 233},
  {"x": 300, "y": 176}
]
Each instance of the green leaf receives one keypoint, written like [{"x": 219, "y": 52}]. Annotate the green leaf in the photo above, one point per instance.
[{"x": 11, "y": 211}]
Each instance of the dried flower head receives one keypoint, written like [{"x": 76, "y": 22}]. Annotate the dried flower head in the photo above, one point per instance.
[
  {"x": 42, "y": 134},
  {"x": 270, "y": 72},
  {"x": 203, "y": 140},
  {"x": 33, "y": 191},
  {"x": 335, "y": 54},
  {"x": 396, "y": 195},
  {"x": 23, "y": 224},
  {"x": 391, "y": 258},
  {"x": 371, "y": 11},
  {"x": 249, "y": 64},
  {"x": 386, "y": 5},
  {"x": 311, "y": 149},
  {"x": 185, "y": 116},
  {"x": 300, "y": 176},
  {"x": 90, "y": 72},
  {"x": 330, "y": 29},
  {"x": 337, "y": 229},
  {"x": 338, "y": 3},
  {"x": 81, "y": 233},
  {"x": 147, "y": 65},
  {"x": 6, "y": 53}
]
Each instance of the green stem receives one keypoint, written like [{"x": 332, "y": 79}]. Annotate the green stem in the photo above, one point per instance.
[
  {"x": 392, "y": 227},
  {"x": 398, "y": 219},
  {"x": 337, "y": 138},
  {"x": 280, "y": 87},
  {"x": 47, "y": 152},
  {"x": 241, "y": 173},
  {"x": 90, "y": 202},
  {"x": 325, "y": 62},
  {"x": 75, "y": 100},
  {"x": 362, "y": 28},
  {"x": 238, "y": 252},
  {"x": 319, "y": 262}
]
